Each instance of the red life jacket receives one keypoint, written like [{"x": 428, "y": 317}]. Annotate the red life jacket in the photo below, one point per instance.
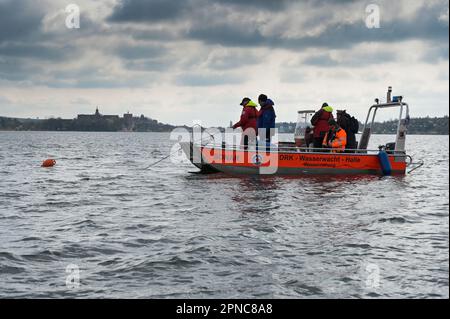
[
  {"x": 321, "y": 125},
  {"x": 248, "y": 118}
]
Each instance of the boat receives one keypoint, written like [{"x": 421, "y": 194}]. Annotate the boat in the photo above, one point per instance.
[{"x": 295, "y": 159}]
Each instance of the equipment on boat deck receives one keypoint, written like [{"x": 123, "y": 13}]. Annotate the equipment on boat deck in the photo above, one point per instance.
[
  {"x": 303, "y": 127},
  {"x": 293, "y": 159},
  {"x": 386, "y": 167}
]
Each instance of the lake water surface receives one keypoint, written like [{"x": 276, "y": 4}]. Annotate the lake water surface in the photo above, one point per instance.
[{"x": 166, "y": 233}]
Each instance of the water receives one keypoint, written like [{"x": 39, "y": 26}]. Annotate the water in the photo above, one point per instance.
[{"x": 166, "y": 233}]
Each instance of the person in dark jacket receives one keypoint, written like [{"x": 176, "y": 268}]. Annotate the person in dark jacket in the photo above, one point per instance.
[
  {"x": 248, "y": 122},
  {"x": 266, "y": 116},
  {"x": 320, "y": 122},
  {"x": 351, "y": 127}
]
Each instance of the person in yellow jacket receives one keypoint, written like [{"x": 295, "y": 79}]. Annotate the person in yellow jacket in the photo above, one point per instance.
[
  {"x": 336, "y": 138},
  {"x": 248, "y": 122}
]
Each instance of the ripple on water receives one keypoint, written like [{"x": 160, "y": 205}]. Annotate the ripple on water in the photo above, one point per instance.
[
  {"x": 11, "y": 270},
  {"x": 163, "y": 232},
  {"x": 393, "y": 220}
]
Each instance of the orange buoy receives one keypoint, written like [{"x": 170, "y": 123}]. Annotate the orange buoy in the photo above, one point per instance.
[{"x": 48, "y": 163}]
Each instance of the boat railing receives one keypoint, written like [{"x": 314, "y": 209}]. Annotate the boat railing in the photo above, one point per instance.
[
  {"x": 295, "y": 149},
  {"x": 402, "y": 125}
]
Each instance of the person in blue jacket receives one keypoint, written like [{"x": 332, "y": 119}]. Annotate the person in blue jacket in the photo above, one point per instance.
[{"x": 266, "y": 116}]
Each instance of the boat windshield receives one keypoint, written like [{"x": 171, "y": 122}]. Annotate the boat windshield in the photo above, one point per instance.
[{"x": 303, "y": 122}]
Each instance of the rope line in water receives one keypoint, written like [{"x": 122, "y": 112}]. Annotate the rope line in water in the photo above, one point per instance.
[{"x": 178, "y": 149}]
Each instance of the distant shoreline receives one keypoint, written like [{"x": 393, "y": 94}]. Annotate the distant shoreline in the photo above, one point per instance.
[
  {"x": 129, "y": 123},
  {"x": 43, "y": 131}
]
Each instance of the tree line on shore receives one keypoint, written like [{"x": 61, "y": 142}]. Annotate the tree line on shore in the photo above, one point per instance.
[
  {"x": 419, "y": 126},
  {"x": 424, "y": 125},
  {"x": 101, "y": 124}
]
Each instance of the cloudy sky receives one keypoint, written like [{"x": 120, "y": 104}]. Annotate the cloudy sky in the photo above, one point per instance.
[{"x": 184, "y": 60}]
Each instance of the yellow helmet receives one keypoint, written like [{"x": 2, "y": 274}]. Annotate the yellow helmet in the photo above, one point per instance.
[{"x": 251, "y": 103}]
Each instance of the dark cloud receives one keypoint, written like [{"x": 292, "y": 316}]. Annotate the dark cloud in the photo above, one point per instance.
[
  {"x": 344, "y": 35},
  {"x": 139, "y": 11},
  {"x": 96, "y": 82},
  {"x": 87, "y": 77},
  {"x": 111, "y": 83},
  {"x": 148, "y": 65},
  {"x": 24, "y": 45},
  {"x": 19, "y": 19},
  {"x": 149, "y": 10},
  {"x": 145, "y": 58},
  {"x": 14, "y": 69},
  {"x": 320, "y": 60},
  {"x": 140, "y": 52},
  {"x": 350, "y": 60},
  {"x": 424, "y": 26},
  {"x": 162, "y": 35},
  {"x": 198, "y": 79},
  {"x": 232, "y": 60},
  {"x": 273, "y": 5},
  {"x": 370, "y": 58},
  {"x": 37, "y": 51},
  {"x": 22, "y": 34},
  {"x": 227, "y": 35},
  {"x": 217, "y": 27}
]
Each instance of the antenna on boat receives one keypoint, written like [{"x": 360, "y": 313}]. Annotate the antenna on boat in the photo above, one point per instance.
[{"x": 389, "y": 95}]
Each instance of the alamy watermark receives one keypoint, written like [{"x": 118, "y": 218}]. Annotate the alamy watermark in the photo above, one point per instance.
[
  {"x": 73, "y": 276},
  {"x": 373, "y": 16},
  {"x": 372, "y": 272},
  {"x": 250, "y": 148},
  {"x": 73, "y": 16},
  {"x": 372, "y": 19}
]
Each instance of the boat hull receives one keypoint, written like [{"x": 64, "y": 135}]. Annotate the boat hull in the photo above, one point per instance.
[{"x": 242, "y": 162}]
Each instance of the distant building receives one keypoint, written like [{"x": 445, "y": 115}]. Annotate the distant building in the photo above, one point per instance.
[
  {"x": 96, "y": 116},
  {"x": 128, "y": 121}
]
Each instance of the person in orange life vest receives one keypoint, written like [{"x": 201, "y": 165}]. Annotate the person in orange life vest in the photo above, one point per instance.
[
  {"x": 248, "y": 122},
  {"x": 336, "y": 138}
]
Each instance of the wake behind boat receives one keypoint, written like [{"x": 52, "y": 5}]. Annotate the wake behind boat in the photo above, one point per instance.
[{"x": 294, "y": 159}]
